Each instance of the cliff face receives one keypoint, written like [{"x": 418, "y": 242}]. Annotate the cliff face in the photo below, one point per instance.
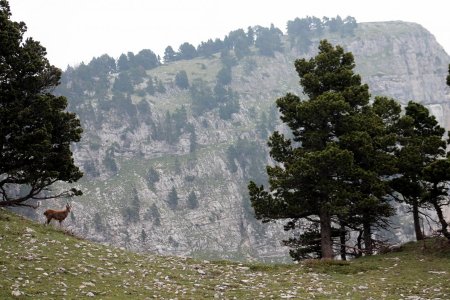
[
  {"x": 404, "y": 64},
  {"x": 155, "y": 184}
]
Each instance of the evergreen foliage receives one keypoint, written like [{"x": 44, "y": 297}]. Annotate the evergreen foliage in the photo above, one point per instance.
[
  {"x": 301, "y": 30},
  {"x": 202, "y": 97},
  {"x": 150, "y": 88},
  {"x": 174, "y": 125},
  {"x": 192, "y": 140},
  {"x": 131, "y": 212},
  {"x": 192, "y": 201},
  {"x": 153, "y": 214},
  {"x": 160, "y": 88},
  {"x": 266, "y": 122},
  {"x": 422, "y": 148},
  {"x": 104, "y": 64},
  {"x": 238, "y": 41},
  {"x": 109, "y": 161},
  {"x": 187, "y": 51},
  {"x": 224, "y": 76},
  {"x": 122, "y": 63},
  {"x": 210, "y": 47},
  {"x": 35, "y": 130},
  {"x": 172, "y": 199},
  {"x": 332, "y": 169},
  {"x": 307, "y": 244},
  {"x": 268, "y": 40},
  {"x": 233, "y": 37},
  {"x": 123, "y": 83},
  {"x": 124, "y": 105},
  {"x": 249, "y": 156},
  {"x": 146, "y": 59},
  {"x": 98, "y": 223},
  {"x": 229, "y": 107},
  {"x": 181, "y": 80},
  {"x": 137, "y": 75},
  {"x": 143, "y": 236},
  {"x": 152, "y": 177},
  {"x": 223, "y": 97},
  {"x": 227, "y": 59},
  {"x": 169, "y": 54},
  {"x": 144, "y": 108}
]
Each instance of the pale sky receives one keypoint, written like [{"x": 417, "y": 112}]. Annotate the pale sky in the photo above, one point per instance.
[{"x": 77, "y": 30}]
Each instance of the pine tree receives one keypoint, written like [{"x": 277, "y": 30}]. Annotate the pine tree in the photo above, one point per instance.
[
  {"x": 421, "y": 140},
  {"x": 187, "y": 51},
  {"x": 36, "y": 132},
  {"x": 143, "y": 236},
  {"x": 172, "y": 199},
  {"x": 319, "y": 174},
  {"x": 192, "y": 200},
  {"x": 169, "y": 54},
  {"x": 123, "y": 64},
  {"x": 181, "y": 80},
  {"x": 152, "y": 177}
]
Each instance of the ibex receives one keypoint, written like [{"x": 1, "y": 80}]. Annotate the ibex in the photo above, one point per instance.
[{"x": 59, "y": 215}]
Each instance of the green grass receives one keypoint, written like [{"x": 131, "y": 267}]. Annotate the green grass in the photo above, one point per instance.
[{"x": 44, "y": 262}]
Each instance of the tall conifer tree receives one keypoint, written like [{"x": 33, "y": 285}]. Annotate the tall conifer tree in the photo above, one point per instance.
[
  {"x": 321, "y": 174},
  {"x": 35, "y": 130}
]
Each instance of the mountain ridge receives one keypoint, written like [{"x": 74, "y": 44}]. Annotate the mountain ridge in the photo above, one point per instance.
[{"x": 130, "y": 134}]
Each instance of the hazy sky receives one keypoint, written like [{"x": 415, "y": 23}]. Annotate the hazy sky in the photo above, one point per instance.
[{"x": 77, "y": 30}]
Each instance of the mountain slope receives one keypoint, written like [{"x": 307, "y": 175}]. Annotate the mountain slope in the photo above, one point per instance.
[
  {"x": 40, "y": 262},
  {"x": 150, "y": 147}
]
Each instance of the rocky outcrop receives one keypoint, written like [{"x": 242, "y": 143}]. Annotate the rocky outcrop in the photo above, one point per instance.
[{"x": 405, "y": 62}]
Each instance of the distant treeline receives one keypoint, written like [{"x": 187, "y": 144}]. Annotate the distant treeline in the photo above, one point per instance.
[
  {"x": 266, "y": 40},
  {"x": 94, "y": 76}
]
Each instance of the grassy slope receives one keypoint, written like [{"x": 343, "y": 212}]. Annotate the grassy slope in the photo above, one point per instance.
[{"x": 45, "y": 263}]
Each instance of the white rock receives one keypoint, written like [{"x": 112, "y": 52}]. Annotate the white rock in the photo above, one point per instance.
[
  {"x": 90, "y": 294},
  {"x": 201, "y": 272},
  {"x": 88, "y": 283},
  {"x": 16, "y": 293},
  {"x": 363, "y": 287}
]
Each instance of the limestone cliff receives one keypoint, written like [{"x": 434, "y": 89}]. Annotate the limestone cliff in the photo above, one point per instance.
[{"x": 132, "y": 172}]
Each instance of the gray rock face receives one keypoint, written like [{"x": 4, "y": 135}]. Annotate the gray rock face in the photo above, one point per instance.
[
  {"x": 121, "y": 206},
  {"x": 405, "y": 65}
]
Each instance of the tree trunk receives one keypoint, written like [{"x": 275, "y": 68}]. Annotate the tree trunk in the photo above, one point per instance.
[
  {"x": 342, "y": 236},
  {"x": 442, "y": 220},
  {"x": 359, "y": 240},
  {"x": 368, "y": 242},
  {"x": 416, "y": 217},
  {"x": 325, "y": 234}
]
